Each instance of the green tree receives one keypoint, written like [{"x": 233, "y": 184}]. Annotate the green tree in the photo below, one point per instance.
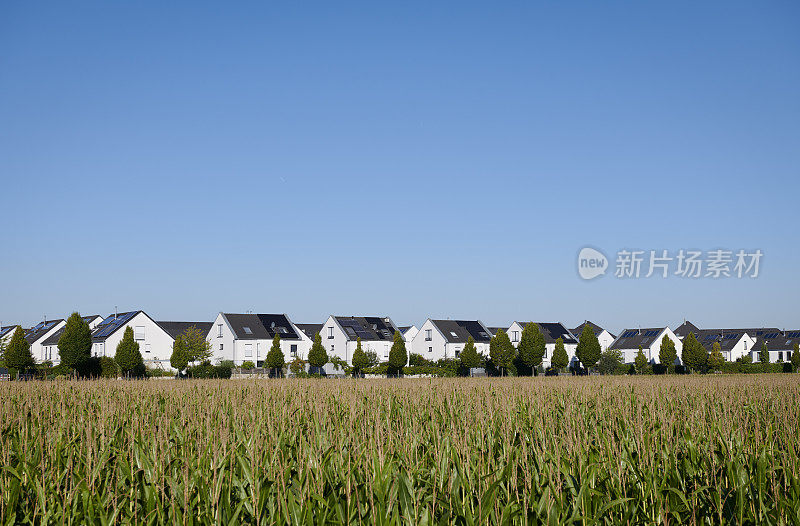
[
  {"x": 317, "y": 356},
  {"x": 531, "y": 346},
  {"x": 610, "y": 361},
  {"x": 178, "y": 360},
  {"x": 796, "y": 356},
  {"x": 560, "y": 359},
  {"x": 75, "y": 343},
  {"x": 275, "y": 359},
  {"x": 640, "y": 362},
  {"x": 588, "y": 350},
  {"x": 193, "y": 346},
  {"x": 668, "y": 354},
  {"x": 501, "y": 351},
  {"x": 716, "y": 360},
  {"x": 763, "y": 356},
  {"x": 128, "y": 358},
  {"x": 469, "y": 356},
  {"x": 397, "y": 354},
  {"x": 18, "y": 353},
  {"x": 694, "y": 355},
  {"x": 360, "y": 358}
]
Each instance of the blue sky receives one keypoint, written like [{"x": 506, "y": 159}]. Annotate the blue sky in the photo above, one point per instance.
[{"x": 416, "y": 159}]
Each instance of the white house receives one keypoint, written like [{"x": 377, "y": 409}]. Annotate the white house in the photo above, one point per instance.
[
  {"x": 683, "y": 330},
  {"x": 438, "y": 339},
  {"x": 50, "y": 345},
  {"x": 41, "y": 332},
  {"x": 551, "y": 331},
  {"x": 310, "y": 329},
  {"x": 409, "y": 332},
  {"x": 340, "y": 335},
  {"x": 780, "y": 345},
  {"x": 733, "y": 343},
  {"x": 6, "y": 332},
  {"x": 155, "y": 344},
  {"x": 603, "y": 336},
  {"x": 649, "y": 340},
  {"x": 248, "y": 337}
]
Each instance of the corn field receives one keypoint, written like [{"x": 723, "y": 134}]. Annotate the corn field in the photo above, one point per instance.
[{"x": 611, "y": 450}]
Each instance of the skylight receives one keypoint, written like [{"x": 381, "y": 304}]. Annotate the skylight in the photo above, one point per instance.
[
  {"x": 454, "y": 334},
  {"x": 247, "y": 330}
]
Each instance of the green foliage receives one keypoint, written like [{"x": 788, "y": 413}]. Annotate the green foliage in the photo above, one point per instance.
[
  {"x": 415, "y": 359},
  {"x": 18, "y": 353},
  {"x": 317, "y": 356},
  {"x": 298, "y": 368},
  {"x": 248, "y": 365},
  {"x": 560, "y": 359},
  {"x": 428, "y": 370},
  {"x": 763, "y": 356},
  {"x": 796, "y": 357},
  {"x": 128, "y": 358},
  {"x": 694, "y": 355},
  {"x": 531, "y": 347},
  {"x": 360, "y": 359},
  {"x": 205, "y": 370},
  {"x": 610, "y": 361},
  {"x": 716, "y": 360},
  {"x": 108, "y": 367},
  {"x": 178, "y": 360},
  {"x": 75, "y": 343},
  {"x": 397, "y": 354},
  {"x": 502, "y": 352},
  {"x": 275, "y": 359},
  {"x": 588, "y": 350},
  {"x": 191, "y": 346},
  {"x": 340, "y": 364},
  {"x": 469, "y": 357},
  {"x": 640, "y": 362},
  {"x": 668, "y": 353}
]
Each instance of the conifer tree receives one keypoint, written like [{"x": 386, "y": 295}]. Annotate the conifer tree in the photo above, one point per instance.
[
  {"x": 763, "y": 356},
  {"x": 716, "y": 359},
  {"x": 502, "y": 352},
  {"x": 75, "y": 343},
  {"x": 18, "y": 353},
  {"x": 588, "y": 350},
  {"x": 128, "y": 358},
  {"x": 317, "y": 356},
  {"x": 360, "y": 359},
  {"x": 560, "y": 358},
  {"x": 275, "y": 359},
  {"x": 668, "y": 354},
  {"x": 469, "y": 356},
  {"x": 640, "y": 362},
  {"x": 398, "y": 358},
  {"x": 531, "y": 346}
]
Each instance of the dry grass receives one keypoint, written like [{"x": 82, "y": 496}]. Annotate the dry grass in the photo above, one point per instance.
[{"x": 469, "y": 451}]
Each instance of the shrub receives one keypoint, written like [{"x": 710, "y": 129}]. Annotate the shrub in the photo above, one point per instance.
[
  {"x": 248, "y": 365},
  {"x": 108, "y": 367},
  {"x": 610, "y": 361},
  {"x": 427, "y": 370},
  {"x": 416, "y": 360}
]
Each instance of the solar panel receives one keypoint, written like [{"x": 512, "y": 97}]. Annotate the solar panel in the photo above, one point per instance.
[
  {"x": 629, "y": 334},
  {"x": 106, "y": 329},
  {"x": 771, "y": 335}
]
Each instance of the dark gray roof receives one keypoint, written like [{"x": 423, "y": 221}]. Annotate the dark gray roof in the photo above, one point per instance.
[
  {"x": 726, "y": 338},
  {"x": 176, "y": 328},
  {"x": 114, "y": 322},
  {"x": 459, "y": 331},
  {"x": 493, "y": 330},
  {"x": 685, "y": 328},
  {"x": 757, "y": 332},
  {"x": 34, "y": 333},
  {"x": 261, "y": 326},
  {"x": 552, "y": 331},
  {"x": 595, "y": 328},
  {"x": 367, "y": 327},
  {"x": 635, "y": 338},
  {"x": 7, "y": 330},
  {"x": 53, "y": 338},
  {"x": 310, "y": 329},
  {"x": 782, "y": 341}
]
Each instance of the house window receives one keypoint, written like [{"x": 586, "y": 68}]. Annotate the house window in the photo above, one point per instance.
[
  {"x": 258, "y": 350},
  {"x": 330, "y": 334},
  {"x": 780, "y": 356},
  {"x": 147, "y": 347},
  {"x": 458, "y": 351},
  {"x": 138, "y": 332},
  {"x": 386, "y": 352},
  {"x": 293, "y": 350},
  {"x": 428, "y": 335},
  {"x": 332, "y": 346},
  {"x": 219, "y": 330},
  {"x": 745, "y": 345},
  {"x": 248, "y": 350},
  {"x": 220, "y": 346},
  {"x": 515, "y": 335},
  {"x": 430, "y": 349},
  {"x": 247, "y": 330}
]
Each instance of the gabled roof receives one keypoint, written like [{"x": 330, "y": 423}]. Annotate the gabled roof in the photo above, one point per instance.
[
  {"x": 493, "y": 330},
  {"x": 7, "y": 330},
  {"x": 595, "y": 328},
  {"x": 34, "y": 334},
  {"x": 685, "y": 328},
  {"x": 635, "y": 338},
  {"x": 113, "y": 323},
  {"x": 367, "y": 327},
  {"x": 552, "y": 331},
  {"x": 53, "y": 338},
  {"x": 310, "y": 329},
  {"x": 459, "y": 331},
  {"x": 727, "y": 338},
  {"x": 176, "y": 328},
  {"x": 758, "y": 332},
  {"x": 261, "y": 326},
  {"x": 782, "y": 341}
]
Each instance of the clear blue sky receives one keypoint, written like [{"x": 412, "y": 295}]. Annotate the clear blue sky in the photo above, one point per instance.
[{"x": 422, "y": 159}]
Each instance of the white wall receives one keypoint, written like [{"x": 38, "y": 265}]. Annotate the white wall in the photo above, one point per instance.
[
  {"x": 605, "y": 339},
  {"x": 549, "y": 348},
  {"x": 227, "y": 347},
  {"x": 155, "y": 345},
  {"x": 438, "y": 347},
  {"x": 37, "y": 349}
]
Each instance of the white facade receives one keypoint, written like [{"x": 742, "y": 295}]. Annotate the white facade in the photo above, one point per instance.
[
  {"x": 336, "y": 343},
  {"x": 37, "y": 349},
  {"x": 410, "y": 333},
  {"x": 226, "y": 346},
  {"x": 652, "y": 353},
  {"x": 605, "y": 338},
  {"x": 515, "y": 334},
  {"x": 50, "y": 350},
  {"x": 431, "y": 344},
  {"x": 155, "y": 344}
]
